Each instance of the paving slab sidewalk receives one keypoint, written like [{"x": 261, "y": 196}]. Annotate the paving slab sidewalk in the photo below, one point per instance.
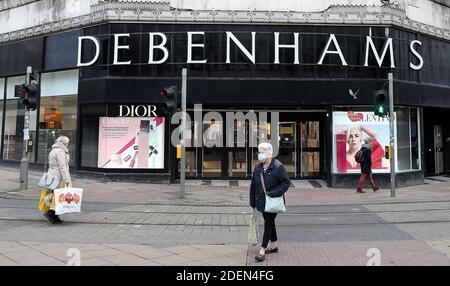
[
  {"x": 165, "y": 194},
  {"x": 367, "y": 253}
]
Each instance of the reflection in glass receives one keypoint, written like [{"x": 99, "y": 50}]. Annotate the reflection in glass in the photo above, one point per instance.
[
  {"x": 287, "y": 149},
  {"x": 212, "y": 155},
  {"x": 58, "y": 116},
  {"x": 310, "y": 164},
  {"x": 264, "y": 133},
  {"x": 403, "y": 139},
  {"x": 310, "y": 155},
  {"x": 310, "y": 134},
  {"x": 237, "y": 164},
  {"x": 191, "y": 163},
  {"x": 237, "y": 155},
  {"x": 14, "y": 125},
  {"x": 191, "y": 151},
  {"x": 212, "y": 162}
]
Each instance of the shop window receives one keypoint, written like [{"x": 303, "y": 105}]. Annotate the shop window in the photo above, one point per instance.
[
  {"x": 14, "y": 124},
  {"x": 415, "y": 146},
  {"x": 90, "y": 115},
  {"x": 350, "y": 128},
  {"x": 264, "y": 130},
  {"x": 58, "y": 116},
  {"x": 2, "y": 89},
  {"x": 110, "y": 141},
  {"x": 237, "y": 154},
  {"x": 408, "y": 145},
  {"x": 212, "y": 151},
  {"x": 352, "y": 125},
  {"x": 403, "y": 140},
  {"x": 192, "y": 140},
  {"x": 58, "y": 112}
]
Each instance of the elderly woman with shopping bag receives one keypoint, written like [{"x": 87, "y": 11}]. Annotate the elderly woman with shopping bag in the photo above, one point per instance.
[
  {"x": 56, "y": 177},
  {"x": 269, "y": 183}
]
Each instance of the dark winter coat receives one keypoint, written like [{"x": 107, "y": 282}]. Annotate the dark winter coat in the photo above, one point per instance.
[
  {"x": 366, "y": 164},
  {"x": 276, "y": 180}
]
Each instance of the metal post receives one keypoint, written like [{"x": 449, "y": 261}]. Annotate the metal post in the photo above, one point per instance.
[
  {"x": 391, "y": 131},
  {"x": 183, "y": 135},
  {"x": 26, "y": 130}
]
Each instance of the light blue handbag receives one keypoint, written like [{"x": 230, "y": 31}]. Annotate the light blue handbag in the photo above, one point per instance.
[
  {"x": 273, "y": 205},
  {"x": 49, "y": 182}
]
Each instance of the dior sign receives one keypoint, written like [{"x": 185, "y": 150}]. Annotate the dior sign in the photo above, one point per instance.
[
  {"x": 158, "y": 46},
  {"x": 137, "y": 111}
]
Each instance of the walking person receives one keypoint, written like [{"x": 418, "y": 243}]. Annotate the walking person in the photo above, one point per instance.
[
  {"x": 58, "y": 160},
  {"x": 366, "y": 166},
  {"x": 277, "y": 183}
]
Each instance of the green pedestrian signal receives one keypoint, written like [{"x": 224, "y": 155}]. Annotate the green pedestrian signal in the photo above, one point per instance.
[
  {"x": 380, "y": 109},
  {"x": 380, "y": 104}
]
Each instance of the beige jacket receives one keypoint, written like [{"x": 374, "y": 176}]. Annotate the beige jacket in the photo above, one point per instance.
[{"x": 58, "y": 162}]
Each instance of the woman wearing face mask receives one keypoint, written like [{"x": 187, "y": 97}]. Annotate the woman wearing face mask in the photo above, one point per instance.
[{"x": 277, "y": 183}]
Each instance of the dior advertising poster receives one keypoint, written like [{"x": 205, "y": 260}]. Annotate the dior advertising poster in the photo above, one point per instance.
[
  {"x": 349, "y": 130},
  {"x": 131, "y": 143}
]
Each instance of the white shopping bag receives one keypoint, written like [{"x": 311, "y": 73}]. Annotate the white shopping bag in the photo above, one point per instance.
[{"x": 68, "y": 200}]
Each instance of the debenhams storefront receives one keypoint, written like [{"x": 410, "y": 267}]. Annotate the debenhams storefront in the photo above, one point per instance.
[{"x": 100, "y": 87}]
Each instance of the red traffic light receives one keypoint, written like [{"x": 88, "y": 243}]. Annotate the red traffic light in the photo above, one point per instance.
[
  {"x": 29, "y": 98},
  {"x": 29, "y": 89},
  {"x": 24, "y": 89},
  {"x": 169, "y": 94}
]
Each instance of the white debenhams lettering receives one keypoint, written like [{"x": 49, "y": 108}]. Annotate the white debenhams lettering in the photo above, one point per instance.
[
  {"x": 411, "y": 47},
  {"x": 278, "y": 46},
  {"x": 162, "y": 56},
  {"x": 338, "y": 50},
  {"x": 190, "y": 45},
  {"x": 80, "y": 48},
  {"x": 251, "y": 56},
  {"x": 137, "y": 111},
  {"x": 117, "y": 48},
  {"x": 387, "y": 45},
  {"x": 160, "y": 47}
]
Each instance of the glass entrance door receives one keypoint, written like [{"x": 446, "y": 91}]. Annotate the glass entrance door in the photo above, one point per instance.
[
  {"x": 310, "y": 149},
  {"x": 300, "y": 148},
  {"x": 288, "y": 147},
  {"x": 191, "y": 150},
  {"x": 237, "y": 154},
  {"x": 212, "y": 149}
]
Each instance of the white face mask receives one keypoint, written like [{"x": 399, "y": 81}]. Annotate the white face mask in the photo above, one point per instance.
[{"x": 261, "y": 157}]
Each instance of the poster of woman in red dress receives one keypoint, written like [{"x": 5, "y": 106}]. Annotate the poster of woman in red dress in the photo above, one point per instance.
[{"x": 349, "y": 131}]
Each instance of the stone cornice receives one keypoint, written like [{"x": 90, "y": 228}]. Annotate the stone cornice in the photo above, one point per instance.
[
  {"x": 161, "y": 13},
  {"x": 11, "y": 4}
]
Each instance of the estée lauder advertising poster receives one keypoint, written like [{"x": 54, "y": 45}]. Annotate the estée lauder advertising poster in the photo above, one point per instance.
[
  {"x": 131, "y": 143},
  {"x": 349, "y": 130}
]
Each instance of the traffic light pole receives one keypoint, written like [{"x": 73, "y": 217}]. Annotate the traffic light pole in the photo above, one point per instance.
[
  {"x": 24, "y": 161},
  {"x": 391, "y": 131},
  {"x": 183, "y": 135}
]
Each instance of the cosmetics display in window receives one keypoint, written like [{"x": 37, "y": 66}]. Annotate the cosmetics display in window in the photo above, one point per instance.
[{"x": 131, "y": 143}]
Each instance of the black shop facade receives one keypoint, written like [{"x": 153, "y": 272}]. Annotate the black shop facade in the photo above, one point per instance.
[{"x": 309, "y": 89}]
